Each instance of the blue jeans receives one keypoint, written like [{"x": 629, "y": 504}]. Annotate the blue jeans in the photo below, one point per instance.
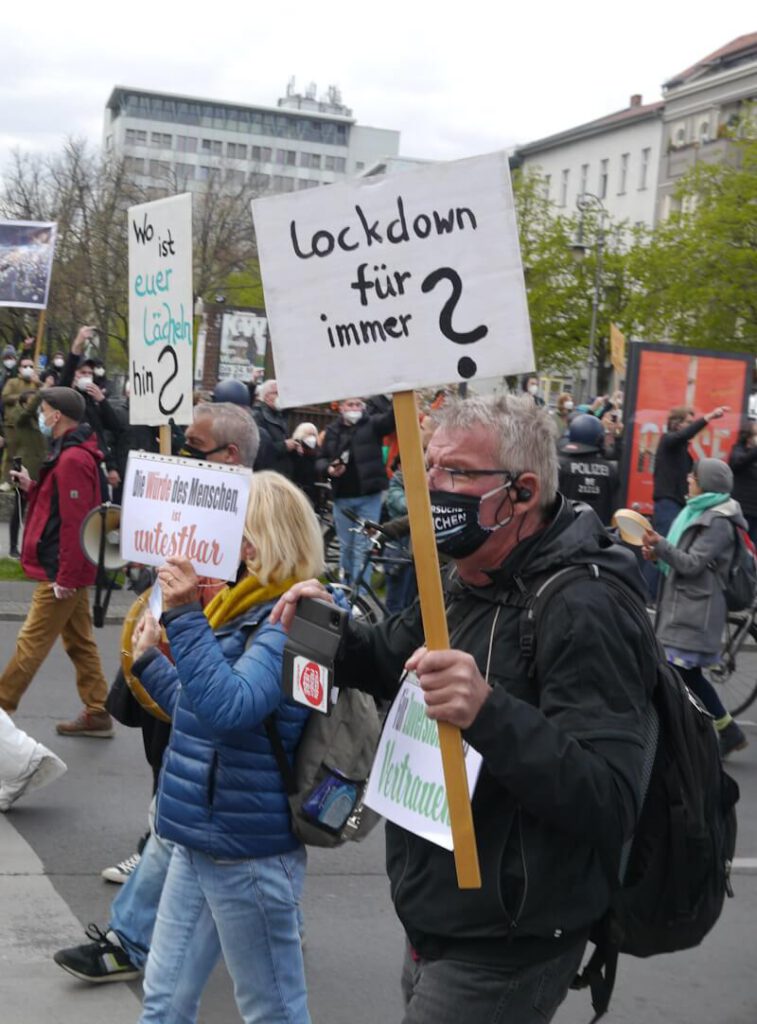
[
  {"x": 353, "y": 546},
  {"x": 135, "y": 908},
  {"x": 451, "y": 991},
  {"x": 252, "y": 908}
]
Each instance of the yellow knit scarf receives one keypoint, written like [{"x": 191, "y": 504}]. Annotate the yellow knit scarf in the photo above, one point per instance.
[{"x": 233, "y": 601}]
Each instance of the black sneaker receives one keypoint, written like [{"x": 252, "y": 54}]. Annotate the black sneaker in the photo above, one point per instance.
[{"x": 97, "y": 961}]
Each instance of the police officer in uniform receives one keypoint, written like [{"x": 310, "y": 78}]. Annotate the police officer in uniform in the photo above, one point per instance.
[{"x": 585, "y": 474}]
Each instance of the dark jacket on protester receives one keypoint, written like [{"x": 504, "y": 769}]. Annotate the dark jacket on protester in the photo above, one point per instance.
[
  {"x": 274, "y": 431},
  {"x": 366, "y": 473},
  {"x": 306, "y": 470},
  {"x": 68, "y": 488},
  {"x": 672, "y": 462},
  {"x": 562, "y": 750},
  {"x": 103, "y": 417},
  {"x": 743, "y": 462}
]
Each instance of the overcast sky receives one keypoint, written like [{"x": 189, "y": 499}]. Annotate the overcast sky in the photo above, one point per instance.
[{"x": 456, "y": 79}]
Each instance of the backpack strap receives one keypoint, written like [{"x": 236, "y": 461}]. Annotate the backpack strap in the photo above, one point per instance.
[
  {"x": 537, "y": 600},
  {"x": 282, "y": 761}
]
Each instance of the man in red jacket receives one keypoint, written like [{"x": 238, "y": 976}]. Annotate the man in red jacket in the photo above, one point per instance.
[{"x": 68, "y": 488}]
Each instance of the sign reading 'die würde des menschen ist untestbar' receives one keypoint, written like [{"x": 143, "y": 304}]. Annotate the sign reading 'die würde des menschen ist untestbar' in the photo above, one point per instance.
[
  {"x": 160, "y": 311},
  {"x": 184, "y": 508},
  {"x": 394, "y": 283}
]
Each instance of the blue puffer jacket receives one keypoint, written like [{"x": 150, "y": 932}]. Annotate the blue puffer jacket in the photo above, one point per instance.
[{"x": 220, "y": 789}]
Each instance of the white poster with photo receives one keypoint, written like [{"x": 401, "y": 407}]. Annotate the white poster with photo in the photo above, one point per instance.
[
  {"x": 385, "y": 284},
  {"x": 243, "y": 341},
  {"x": 406, "y": 784},
  {"x": 160, "y": 311},
  {"x": 184, "y": 508},
  {"x": 27, "y": 248}
]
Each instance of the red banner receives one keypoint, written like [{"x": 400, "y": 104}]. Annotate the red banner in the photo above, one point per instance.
[{"x": 663, "y": 377}]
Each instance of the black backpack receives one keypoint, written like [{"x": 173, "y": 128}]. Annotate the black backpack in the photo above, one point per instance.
[
  {"x": 675, "y": 870},
  {"x": 741, "y": 580}
]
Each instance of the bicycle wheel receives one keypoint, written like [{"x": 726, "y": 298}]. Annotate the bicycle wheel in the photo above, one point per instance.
[
  {"x": 363, "y": 610},
  {"x": 735, "y": 679}
]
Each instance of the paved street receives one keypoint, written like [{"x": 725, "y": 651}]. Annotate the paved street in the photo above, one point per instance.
[{"x": 54, "y": 843}]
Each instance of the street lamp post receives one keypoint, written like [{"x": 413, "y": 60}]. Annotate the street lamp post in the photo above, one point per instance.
[{"x": 588, "y": 201}]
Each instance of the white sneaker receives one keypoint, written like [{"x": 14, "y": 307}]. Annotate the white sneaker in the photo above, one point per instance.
[
  {"x": 120, "y": 872},
  {"x": 45, "y": 767}
]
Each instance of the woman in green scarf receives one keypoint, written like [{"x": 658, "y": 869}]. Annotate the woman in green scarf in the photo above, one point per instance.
[{"x": 694, "y": 559}]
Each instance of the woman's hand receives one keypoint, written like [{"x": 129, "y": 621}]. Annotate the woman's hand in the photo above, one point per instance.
[
  {"x": 286, "y": 607},
  {"x": 649, "y": 543},
  {"x": 178, "y": 582},
  {"x": 146, "y": 635}
]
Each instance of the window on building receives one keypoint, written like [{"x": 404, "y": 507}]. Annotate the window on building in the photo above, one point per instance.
[
  {"x": 134, "y": 165},
  {"x": 359, "y": 165},
  {"x": 236, "y": 150},
  {"x": 312, "y": 160},
  {"x": 234, "y": 177},
  {"x": 704, "y": 131},
  {"x": 185, "y": 172},
  {"x": 584, "y": 179},
  {"x": 283, "y": 183},
  {"x": 623, "y": 174},
  {"x": 186, "y": 143},
  {"x": 262, "y": 153},
  {"x": 160, "y": 140},
  {"x": 644, "y": 171},
  {"x": 211, "y": 146},
  {"x": 261, "y": 182},
  {"x": 281, "y": 156},
  {"x": 336, "y": 163},
  {"x": 604, "y": 172},
  {"x": 564, "y": 178},
  {"x": 134, "y": 137},
  {"x": 679, "y": 135},
  {"x": 159, "y": 168},
  {"x": 547, "y": 183}
]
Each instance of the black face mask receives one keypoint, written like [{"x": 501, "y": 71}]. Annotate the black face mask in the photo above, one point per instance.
[
  {"x": 188, "y": 451},
  {"x": 457, "y": 530}
]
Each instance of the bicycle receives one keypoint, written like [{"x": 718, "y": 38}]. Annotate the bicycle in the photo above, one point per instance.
[
  {"x": 735, "y": 677},
  {"x": 364, "y": 600}
]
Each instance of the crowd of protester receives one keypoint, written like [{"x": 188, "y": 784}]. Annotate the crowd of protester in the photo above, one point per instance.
[{"x": 220, "y": 872}]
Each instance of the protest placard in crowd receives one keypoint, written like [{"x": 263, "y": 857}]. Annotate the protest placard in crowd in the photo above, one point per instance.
[
  {"x": 27, "y": 248},
  {"x": 406, "y": 783},
  {"x": 394, "y": 283},
  {"x": 187, "y": 508},
  {"x": 160, "y": 311}
]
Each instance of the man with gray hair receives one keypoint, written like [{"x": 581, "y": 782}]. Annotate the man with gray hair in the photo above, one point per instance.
[
  {"x": 276, "y": 446},
  {"x": 559, "y": 726}
]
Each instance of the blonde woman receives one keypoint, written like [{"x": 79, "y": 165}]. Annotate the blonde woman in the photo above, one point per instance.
[{"x": 237, "y": 868}]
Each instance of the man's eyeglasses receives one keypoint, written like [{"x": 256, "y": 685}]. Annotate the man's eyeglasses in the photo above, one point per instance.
[{"x": 447, "y": 477}]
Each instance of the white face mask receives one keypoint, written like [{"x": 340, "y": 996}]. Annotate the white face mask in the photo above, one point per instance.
[
  {"x": 9, "y": 363},
  {"x": 310, "y": 441},
  {"x": 99, "y": 371},
  {"x": 568, "y": 407},
  {"x": 83, "y": 383},
  {"x": 352, "y": 416},
  {"x": 533, "y": 389},
  {"x": 59, "y": 363},
  {"x": 27, "y": 372}
]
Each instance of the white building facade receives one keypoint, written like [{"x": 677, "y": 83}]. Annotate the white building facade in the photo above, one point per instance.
[
  {"x": 616, "y": 158},
  {"x": 187, "y": 141}
]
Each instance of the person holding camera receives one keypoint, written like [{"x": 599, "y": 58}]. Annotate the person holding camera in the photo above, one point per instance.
[
  {"x": 352, "y": 447},
  {"x": 67, "y": 489}
]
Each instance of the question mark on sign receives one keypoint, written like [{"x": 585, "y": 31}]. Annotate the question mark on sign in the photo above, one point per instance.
[{"x": 466, "y": 366}]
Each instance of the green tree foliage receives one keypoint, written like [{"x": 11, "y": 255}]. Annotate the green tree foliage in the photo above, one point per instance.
[{"x": 696, "y": 273}]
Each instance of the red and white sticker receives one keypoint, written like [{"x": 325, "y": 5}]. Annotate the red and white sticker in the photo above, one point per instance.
[{"x": 311, "y": 684}]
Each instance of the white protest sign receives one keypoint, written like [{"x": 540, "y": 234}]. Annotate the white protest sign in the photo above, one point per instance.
[
  {"x": 186, "y": 508},
  {"x": 394, "y": 283},
  {"x": 160, "y": 311},
  {"x": 406, "y": 784}
]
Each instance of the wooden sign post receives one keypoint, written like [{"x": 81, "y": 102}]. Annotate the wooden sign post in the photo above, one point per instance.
[
  {"x": 426, "y": 561},
  {"x": 387, "y": 285}
]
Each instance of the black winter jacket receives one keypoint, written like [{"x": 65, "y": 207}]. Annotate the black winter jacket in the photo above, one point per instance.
[
  {"x": 274, "y": 432},
  {"x": 743, "y": 462},
  {"x": 672, "y": 462},
  {"x": 562, "y": 751},
  {"x": 363, "y": 441}
]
